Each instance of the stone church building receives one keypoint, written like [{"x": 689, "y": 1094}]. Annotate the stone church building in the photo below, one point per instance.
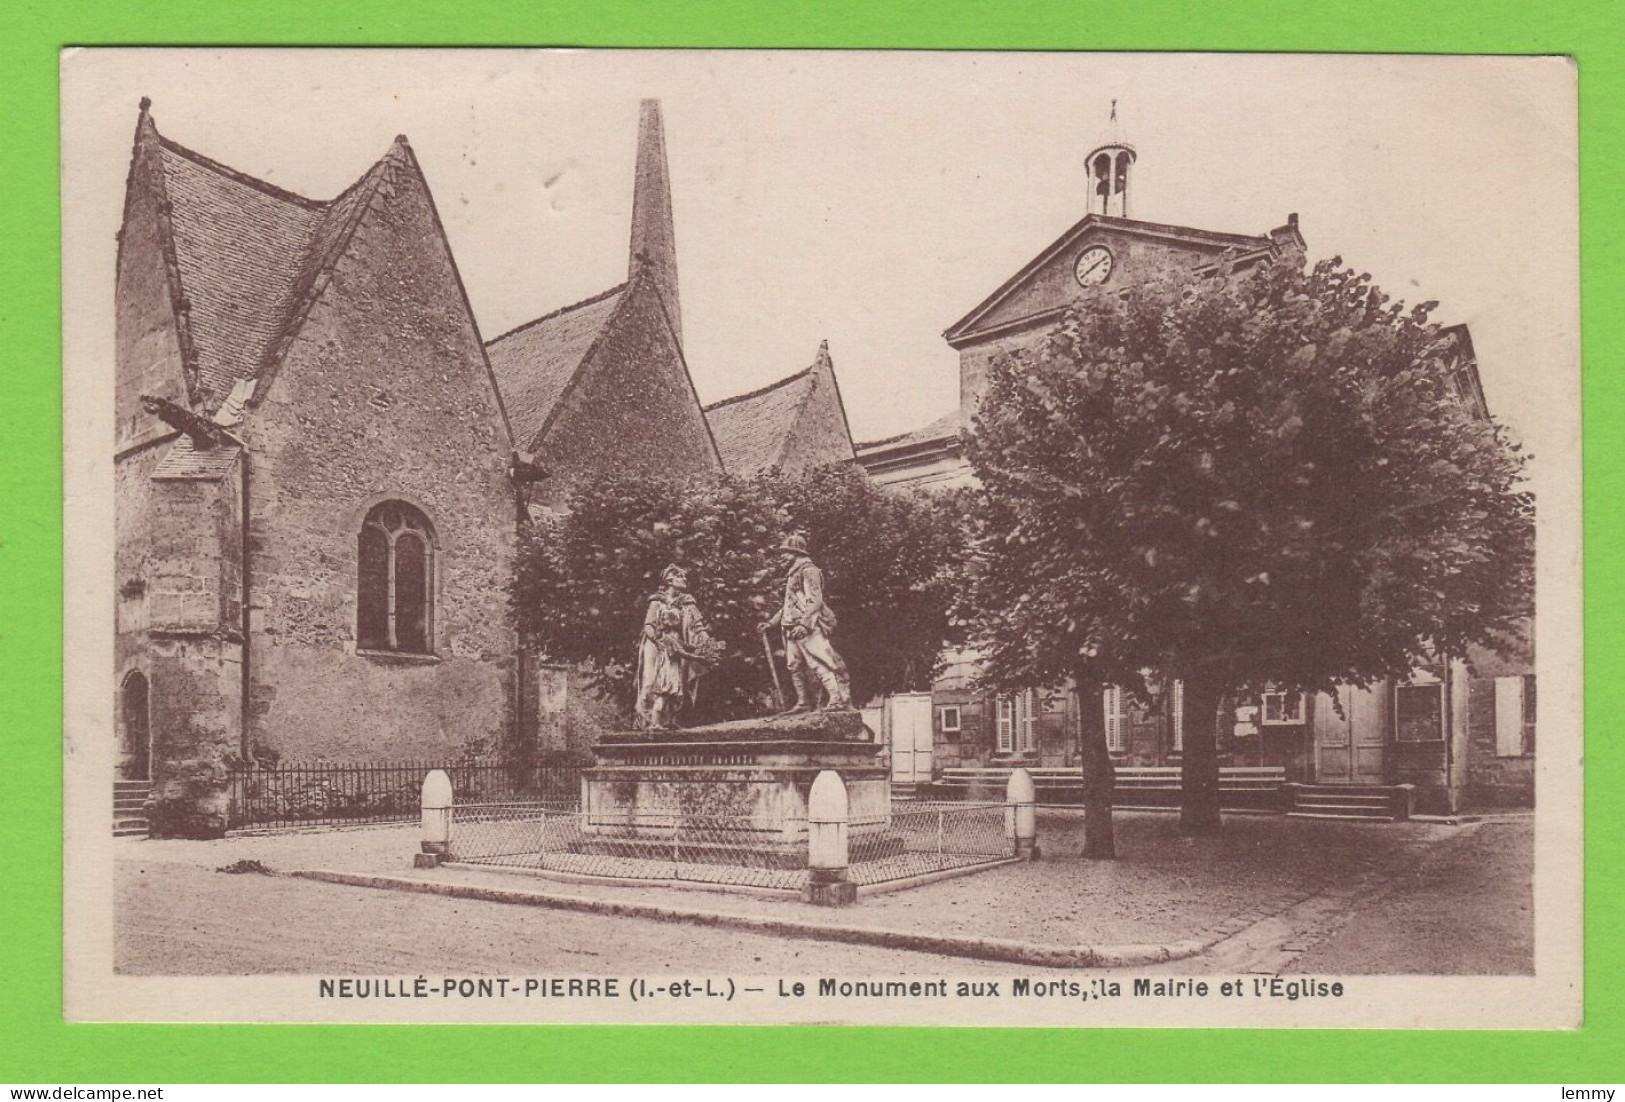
[{"x": 322, "y": 468}]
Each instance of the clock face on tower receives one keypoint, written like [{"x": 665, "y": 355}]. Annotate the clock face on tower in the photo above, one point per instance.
[{"x": 1094, "y": 265}]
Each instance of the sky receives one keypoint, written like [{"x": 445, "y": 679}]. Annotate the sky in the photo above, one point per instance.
[{"x": 872, "y": 199}]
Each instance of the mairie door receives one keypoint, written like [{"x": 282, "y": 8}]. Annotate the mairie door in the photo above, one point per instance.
[
  {"x": 1352, "y": 748},
  {"x": 910, "y": 724}
]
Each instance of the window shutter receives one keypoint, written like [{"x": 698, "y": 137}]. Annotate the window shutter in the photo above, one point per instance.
[
  {"x": 1027, "y": 702},
  {"x": 1528, "y": 713},
  {"x": 1178, "y": 707},
  {"x": 1509, "y": 717},
  {"x": 1003, "y": 720}
]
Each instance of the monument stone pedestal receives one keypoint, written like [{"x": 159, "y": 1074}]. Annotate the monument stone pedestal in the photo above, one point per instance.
[{"x": 736, "y": 791}]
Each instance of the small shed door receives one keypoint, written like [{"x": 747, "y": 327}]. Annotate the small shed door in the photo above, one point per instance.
[{"x": 911, "y": 739}]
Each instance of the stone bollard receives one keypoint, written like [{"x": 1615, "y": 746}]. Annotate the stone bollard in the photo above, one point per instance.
[
  {"x": 828, "y": 883},
  {"x": 1404, "y": 801},
  {"x": 436, "y": 820},
  {"x": 1020, "y": 814}
]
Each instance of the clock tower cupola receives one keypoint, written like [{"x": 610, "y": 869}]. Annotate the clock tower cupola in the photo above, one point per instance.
[{"x": 1109, "y": 165}]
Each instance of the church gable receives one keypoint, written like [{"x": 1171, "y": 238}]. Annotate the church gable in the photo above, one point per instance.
[
  {"x": 794, "y": 424},
  {"x": 630, "y": 408},
  {"x": 386, "y": 358},
  {"x": 752, "y": 430},
  {"x": 149, "y": 331},
  {"x": 535, "y": 363},
  {"x": 384, "y": 392},
  {"x": 819, "y": 434},
  {"x": 1099, "y": 253}
]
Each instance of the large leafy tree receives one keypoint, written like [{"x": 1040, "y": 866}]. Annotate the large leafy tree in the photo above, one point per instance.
[
  {"x": 584, "y": 576},
  {"x": 1238, "y": 479}
]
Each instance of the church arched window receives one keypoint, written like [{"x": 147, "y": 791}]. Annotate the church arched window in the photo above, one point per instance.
[{"x": 395, "y": 581}]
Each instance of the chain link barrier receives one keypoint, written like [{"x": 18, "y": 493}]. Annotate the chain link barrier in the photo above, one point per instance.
[
  {"x": 651, "y": 845},
  {"x": 668, "y": 844},
  {"x": 927, "y": 837}
]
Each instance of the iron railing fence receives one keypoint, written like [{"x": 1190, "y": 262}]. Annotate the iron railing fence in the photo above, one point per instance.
[
  {"x": 659, "y": 844},
  {"x": 924, "y": 838},
  {"x": 326, "y": 794}
]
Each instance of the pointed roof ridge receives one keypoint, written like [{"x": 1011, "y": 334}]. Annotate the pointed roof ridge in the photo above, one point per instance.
[
  {"x": 536, "y": 365},
  {"x": 826, "y": 362},
  {"x": 203, "y": 160},
  {"x": 592, "y": 346},
  {"x": 640, "y": 279},
  {"x": 757, "y": 439},
  {"x": 259, "y": 257},
  {"x": 268, "y": 188},
  {"x": 561, "y": 311}
]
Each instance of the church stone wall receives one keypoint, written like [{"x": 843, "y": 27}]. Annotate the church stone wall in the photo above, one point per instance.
[
  {"x": 132, "y": 527},
  {"x": 384, "y": 395},
  {"x": 191, "y": 652}
]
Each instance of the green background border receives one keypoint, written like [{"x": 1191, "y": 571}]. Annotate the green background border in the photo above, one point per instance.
[{"x": 37, "y": 1047}]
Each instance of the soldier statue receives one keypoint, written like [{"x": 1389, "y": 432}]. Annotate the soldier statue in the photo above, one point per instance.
[{"x": 807, "y": 622}]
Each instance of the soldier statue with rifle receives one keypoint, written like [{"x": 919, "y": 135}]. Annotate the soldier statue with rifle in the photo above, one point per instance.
[{"x": 807, "y": 621}]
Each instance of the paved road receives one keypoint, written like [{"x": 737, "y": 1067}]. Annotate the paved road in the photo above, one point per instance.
[
  {"x": 1468, "y": 909},
  {"x": 1465, "y": 908},
  {"x": 184, "y": 920}
]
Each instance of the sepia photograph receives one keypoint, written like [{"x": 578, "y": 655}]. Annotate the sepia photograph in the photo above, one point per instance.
[{"x": 813, "y": 537}]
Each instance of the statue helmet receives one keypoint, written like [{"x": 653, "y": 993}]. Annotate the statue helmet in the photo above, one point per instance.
[
  {"x": 674, "y": 569},
  {"x": 794, "y": 544}
]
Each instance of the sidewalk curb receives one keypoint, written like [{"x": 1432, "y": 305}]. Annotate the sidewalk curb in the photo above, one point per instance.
[{"x": 1001, "y": 949}]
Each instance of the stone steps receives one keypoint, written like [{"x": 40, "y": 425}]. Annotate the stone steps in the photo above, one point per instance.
[
  {"x": 1373, "y": 803},
  {"x": 129, "y": 808}
]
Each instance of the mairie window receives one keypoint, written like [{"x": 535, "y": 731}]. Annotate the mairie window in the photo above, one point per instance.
[{"x": 1016, "y": 720}]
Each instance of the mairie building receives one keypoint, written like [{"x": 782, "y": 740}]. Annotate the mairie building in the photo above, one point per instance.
[{"x": 1461, "y": 732}]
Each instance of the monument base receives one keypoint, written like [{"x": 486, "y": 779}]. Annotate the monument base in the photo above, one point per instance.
[{"x": 731, "y": 793}]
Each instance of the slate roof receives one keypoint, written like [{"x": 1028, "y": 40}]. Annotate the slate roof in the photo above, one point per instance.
[
  {"x": 753, "y": 429},
  {"x": 534, "y": 363},
  {"x": 945, "y": 427},
  {"x": 249, "y": 257}
]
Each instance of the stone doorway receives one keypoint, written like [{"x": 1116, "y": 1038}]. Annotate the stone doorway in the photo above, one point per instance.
[{"x": 135, "y": 729}]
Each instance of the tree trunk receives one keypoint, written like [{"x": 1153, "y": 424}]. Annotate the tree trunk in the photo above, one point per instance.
[
  {"x": 1199, "y": 772},
  {"x": 1099, "y": 782}
]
